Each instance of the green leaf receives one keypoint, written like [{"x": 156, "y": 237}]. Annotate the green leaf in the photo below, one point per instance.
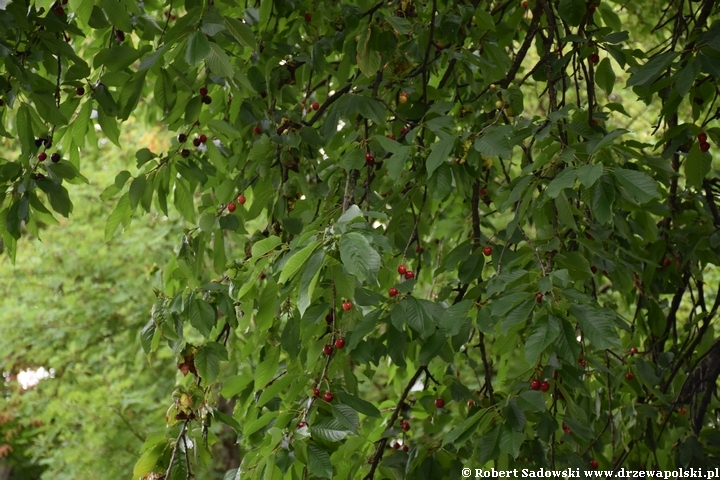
[
  {"x": 296, "y": 261},
  {"x": 439, "y": 152},
  {"x": 697, "y": 165},
  {"x": 207, "y": 361},
  {"x": 543, "y": 334},
  {"x": 268, "y": 368},
  {"x": 329, "y": 429},
  {"x": 234, "y": 385},
  {"x": 319, "y": 462},
  {"x": 119, "y": 214},
  {"x": 368, "y": 60},
  {"x": 603, "y": 197},
  {"x": 358, "y": 256},
  {"x": 462, "y": 432},
  {"x": 116, "y": 14},
  {"x": 514, "y": 416},
  {"x": 565, "y": 179},
  {"x": 597, "y": 325},
  {"x": 137, "y": 188},
  {"x": 605, "y": 76},
  {"x": 146, "y": 463},
  {"x": 264, "y": 246},
  {"x": 347, "y": 416},
  {"x": 587, "y": 175},
  {"x": 218, "y": 61},
  {"x": 494, "y": 143},
  {"x": 198, "y": 48},
  {"x": 572, "y": 11},
  {"x": 648, "y": 73},
  {"x": 202, "y": 316},
  {"x": 359, "y": 405},
  {"x": 418, "y": 318},
  {"x": 455, "y": 317},
  {"x": 47, "y": 109},
  {"x": 641, "y": 186},
  {"x": 241, "y": 32}
]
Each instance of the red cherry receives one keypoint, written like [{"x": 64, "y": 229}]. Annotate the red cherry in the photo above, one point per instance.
[
  {"x": 308, "y": 17},
  {"x": 538, "y": 297},
  {"x": 302, "y": 424},
  {"x": 704, "y": 147},
  {"x": 257, "y": 130},
  {"x": 390, "y": 136},
  {"x": 524, "y": 5},
  {"x": 593, "y": 269},
  {"x": 591, "y": 10},
  {"x": 439, "y": 403},
  {"x": 683, "y": 411},
  {"x": 594, "y": 464},
  {"x": 185, "y": 152},
  {"x": 403, "y": 130},
  {"x": 55, "y": 157},
  {"x": 207, "y": 100},
  {"x": 629, "y": 376},
  {"x": 594, "y": 58},
  {"x": 328, "y": 349},
  {"x": 80, "y": 91},
  {"x": 316, "y": 392},
  {"x": 203, "y": 91},
  {"x": 202, "y": 138},
  {"x": 315, "y": 106},
  {"x": 340, "y": 343},
  {"x": 42, "y": 156},
  {"x": 633, "y": 351},
  {"x": 368, "y": 155},
  {"x": 545, "y": 386},
  {"x": 535, "y": 384},
  {"x": 487, "y": 250},
  {"x": 329, "y": 318},
  {"x": 419, "y": 249},
  {"x": 396, "y": 445},
  {"x": 393, "y": 292},
  {"x": 120, "y": 35},
  {"x": 328, "y": 397},
  {"x": 702, "y": 137},
  {"x": 667, "y": 262},
  {"x": 595, "y": 121},
  {"x": 181, "y": 138},
  {"x": 405, "y": 448},
  {"x": 405, "y": 425},
  {"x": 370, "y": 161},
  {"x": 347, "y": 306},
  {"x": 483, "y": 192},
  {"x": 241, "y": 199},
  {"x": 440, "y": 46},
  {"x": 231, "y": 207},
  {"x": 60, "y": 10},
  {"x": 196, "y": 142},
  {"x": 401, "y": 269},
  {"x": 409, "y": 275}
]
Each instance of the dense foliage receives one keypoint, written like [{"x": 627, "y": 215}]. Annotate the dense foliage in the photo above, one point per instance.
[{"x": 419, "y": 236}]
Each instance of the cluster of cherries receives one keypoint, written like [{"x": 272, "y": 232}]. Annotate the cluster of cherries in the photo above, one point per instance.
[
  {"x": 404, "y": 272},
  {"x": 704, "y": 145}
]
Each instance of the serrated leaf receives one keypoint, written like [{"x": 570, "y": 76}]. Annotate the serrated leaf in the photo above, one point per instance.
[
  {"x": 119, "y": 213},
  {"x": 346, "y": 416},
  {"x": 359, "y": 405},
  {"x": 514, "y": 416},
  {"x": 648, "y": 73},
  {"x": 603, "y": 197},
  {"x": 329, "y": 429},
  {"x": 454, "y": 318},
  {"x": 543, "y": 334},
  {"x": 264, "y": 246},
  {"x": 319, "y": 462},
  {"x": 439, "y": 152},
  {"x": 358, "y": 256},
  {"x": 198, "y": 47},
  {"x": 296, "y": 262},
  {"x": 241, "y": 32},
  {"x": 641, "y": 186},
  {"x": 597, "y": 325},
  {"x": 267, "y": 368},
  {"x": 565, "y": 179},
  {"x": 469, "y": 425},
  {"x": 219, "y": 62},
  {"x": 605, "y": 76},
  {"x": 697, "y": 165},
  {"x": 572, "y": 11},
  {"x": 207, "y": 361},
  {"x": 418, "y": 318}
]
